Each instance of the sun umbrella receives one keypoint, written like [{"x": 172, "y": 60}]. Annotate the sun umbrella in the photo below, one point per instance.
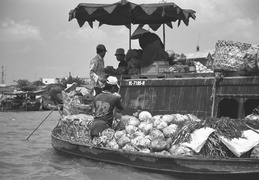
[{"x": 127, "y": 13}]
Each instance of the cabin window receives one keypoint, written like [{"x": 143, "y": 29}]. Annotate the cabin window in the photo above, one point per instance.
[
  {"x": 228, "y": 108},
  {"x": 250, "y": 105}
]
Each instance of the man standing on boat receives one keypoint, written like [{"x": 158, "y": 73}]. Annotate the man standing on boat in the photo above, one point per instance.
[
  {"x": 120, "y": 56},
  {"x": 97, "y": 73},
  {"x": 107, "y": 105},
  {"x": 122, "y": 66}
]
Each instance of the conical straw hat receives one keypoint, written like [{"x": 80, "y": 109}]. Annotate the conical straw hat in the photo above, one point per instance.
[{"x": 138, "y": 32}]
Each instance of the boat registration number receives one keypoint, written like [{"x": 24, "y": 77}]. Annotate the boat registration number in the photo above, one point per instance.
[{"x": 137, "y": 83}]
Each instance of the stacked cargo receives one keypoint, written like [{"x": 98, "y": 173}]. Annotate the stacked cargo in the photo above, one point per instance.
[
  {"x": 172, "y": 134},
  {"x": 235, "y": 56}
]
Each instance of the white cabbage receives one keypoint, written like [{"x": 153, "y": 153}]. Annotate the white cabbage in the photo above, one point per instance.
[
  {"x": 161, "y": 125},
  {"x": 159, "y": 145},
  {"x": 180, "y": 150},
  {"x": 170, "y": 130},
  {"x": 134, "y": 121},
  {"x": 144, "y": 116},
  {"x": 130, "y": 120},
  {"x": 167, "y": 118},
  {"x": 113, "y": 144},
  {"x": 119, "y": 134},
  {"x": 140, "y": 142},
  {"x": 156, "y": 117},
  {"x": 145, "y": 127},
  {"x": 138, "y": 133},
  {"x": 145, "y": 150},
  {"x": 123, "y": 141},
  {"x": 157, "y": 122},
  {"x": 156, "y": 134},
  {"x": 128, "y": 147},
  {"x": 130, "y": 129}
]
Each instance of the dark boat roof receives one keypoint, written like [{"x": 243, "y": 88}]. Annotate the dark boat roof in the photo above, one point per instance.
[
  {"x": 125, "y": 13},
  {"x": 23, "y": 92}
]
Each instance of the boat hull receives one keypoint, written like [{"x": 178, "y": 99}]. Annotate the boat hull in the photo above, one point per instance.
[{"x": 164, "y": 163}]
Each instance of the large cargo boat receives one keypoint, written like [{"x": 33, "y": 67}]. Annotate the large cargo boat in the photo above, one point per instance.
[{"x": 200, "y": 94}]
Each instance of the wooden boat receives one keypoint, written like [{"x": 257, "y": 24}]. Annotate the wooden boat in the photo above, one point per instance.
[
  {"x": 191, "y": 165},
  {"x": 21, "y": 101},
  {"x": 173, "y": 93}
]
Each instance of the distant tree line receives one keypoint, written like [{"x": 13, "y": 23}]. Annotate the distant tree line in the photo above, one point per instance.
[{"x": 26, "y": 85}]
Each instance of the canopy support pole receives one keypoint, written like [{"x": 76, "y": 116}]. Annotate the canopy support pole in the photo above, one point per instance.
[
  {"x": 130, "y": 36},
  {"x": 164, "y": 35}
]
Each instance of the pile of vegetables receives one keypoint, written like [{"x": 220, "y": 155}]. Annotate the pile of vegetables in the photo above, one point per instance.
[
  {"x": 200, "y": 68},
  {"x": 229, "y": 55},
  {"x": 162, "y": 134},
  {"x": 74, "y": 102},
  {"x": 183, "y": 68},
  {"x": 75, "y": 128}
]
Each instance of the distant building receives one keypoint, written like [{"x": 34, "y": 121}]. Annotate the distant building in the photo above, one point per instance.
[
  {"x": 56, "y": 80},
  {"x": 4, "y": 89},
  {"x": 50, "y": 80},
  {"x": 201, "y": 56}
]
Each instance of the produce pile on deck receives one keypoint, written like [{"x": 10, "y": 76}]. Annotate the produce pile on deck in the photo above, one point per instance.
[
  {"x": 180, "y": 64},
  {"x": 228, "y": 56},
  {"x": 171, "y": 134},
  {"x": 236, "y": 56}
]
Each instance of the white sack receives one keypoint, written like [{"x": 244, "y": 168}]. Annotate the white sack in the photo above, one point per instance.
[
  {"x": 198, "y": 139},
  {"x": 242, "y": 145}
]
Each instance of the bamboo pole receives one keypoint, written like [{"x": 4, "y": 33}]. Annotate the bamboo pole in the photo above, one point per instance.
[
  {"x": 40, "y": 124},
  {"x": 164, "y": 35},
  {"x": 130, "y": 37},
  {"x": 213, "y": 97}
]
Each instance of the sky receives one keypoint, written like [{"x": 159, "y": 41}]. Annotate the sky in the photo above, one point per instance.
[{"x": 37, "y": 40}]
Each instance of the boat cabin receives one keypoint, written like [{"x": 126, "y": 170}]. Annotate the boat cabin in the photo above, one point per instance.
[{"x": 191, "y": 93}]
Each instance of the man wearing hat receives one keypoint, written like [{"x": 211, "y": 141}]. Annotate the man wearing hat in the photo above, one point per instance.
[
  {"x": 97, "y": 74},
  {"x": 106, "y": 105},
  {"x": 122, "y": 66},
  {"x": 120, "y": 56}
]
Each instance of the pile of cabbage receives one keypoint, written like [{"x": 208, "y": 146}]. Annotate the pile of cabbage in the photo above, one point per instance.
[
  {"x": 148, "y": 134},
  {"x": 169, "y": 134}
]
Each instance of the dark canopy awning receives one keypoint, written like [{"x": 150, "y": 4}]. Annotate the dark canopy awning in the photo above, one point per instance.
[{"x": 126, "y": 13}]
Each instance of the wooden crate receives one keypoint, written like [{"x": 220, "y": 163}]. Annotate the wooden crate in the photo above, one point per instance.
[{"x": 157, "y": 67}]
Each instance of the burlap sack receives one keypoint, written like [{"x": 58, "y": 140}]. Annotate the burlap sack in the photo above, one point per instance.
[
  {"x": 229, "y": 55},
  {"x": 251, "y": 59}
]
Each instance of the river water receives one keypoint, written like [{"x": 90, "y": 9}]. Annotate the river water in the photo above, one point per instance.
[{"x": 36, "y": 159}]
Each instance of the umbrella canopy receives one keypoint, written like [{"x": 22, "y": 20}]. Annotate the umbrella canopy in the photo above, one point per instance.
[
  {"x": 127, "y": 13},
  {"x": 138, "y": 32}
]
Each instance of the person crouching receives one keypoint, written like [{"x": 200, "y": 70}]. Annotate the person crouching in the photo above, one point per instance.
[{"x": 105, "y": 106}]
